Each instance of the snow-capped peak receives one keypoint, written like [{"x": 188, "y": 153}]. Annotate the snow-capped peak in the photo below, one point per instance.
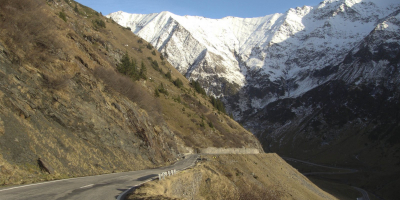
[{"x": 280, "y": 49}]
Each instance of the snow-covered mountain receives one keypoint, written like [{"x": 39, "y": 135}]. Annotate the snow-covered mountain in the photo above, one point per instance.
[{"x": 255, "y": 61}]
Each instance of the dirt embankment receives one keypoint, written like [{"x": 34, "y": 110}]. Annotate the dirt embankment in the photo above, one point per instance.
[{"x": 258, "y": 176}]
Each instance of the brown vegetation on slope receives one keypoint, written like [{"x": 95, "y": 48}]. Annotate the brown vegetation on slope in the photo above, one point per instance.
[
  {"x": 242, "y": 177},
  {"x": 62, "y": 100}
]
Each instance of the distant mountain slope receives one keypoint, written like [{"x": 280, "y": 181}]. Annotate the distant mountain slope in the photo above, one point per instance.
[{"x": 273, "y": 56}]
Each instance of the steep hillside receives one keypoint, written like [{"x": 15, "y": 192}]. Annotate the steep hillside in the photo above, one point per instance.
[
  {"x": 64, "y": 100},
  {"x": 247, "y": 177}
]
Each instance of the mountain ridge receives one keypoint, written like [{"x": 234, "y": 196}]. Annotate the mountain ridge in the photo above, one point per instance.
[{"x": 222, "y": 66}]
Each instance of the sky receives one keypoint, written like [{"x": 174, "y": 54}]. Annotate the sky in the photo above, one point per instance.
[{"x": 214, "y": 9}]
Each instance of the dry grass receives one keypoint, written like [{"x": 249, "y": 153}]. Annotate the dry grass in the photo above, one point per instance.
[
  {"x": 132, "y": 90},
  {"x": 54, "y": 77},
  {"x": 55, "y": 82},
  {"x": 36, "y": 38},
  {"x": 247, "y": 177}
]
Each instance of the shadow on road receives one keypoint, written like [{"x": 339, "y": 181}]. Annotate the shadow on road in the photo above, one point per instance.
[{"x": 146, "y": 177}]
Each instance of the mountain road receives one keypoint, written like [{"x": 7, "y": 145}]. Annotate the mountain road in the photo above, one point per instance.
[
  {"x": 107, "y": 186},
  {"x": 364, "y": 193}
]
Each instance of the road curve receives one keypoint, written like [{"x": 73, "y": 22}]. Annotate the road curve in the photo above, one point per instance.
[
  {"x": 107, "y": 186},
  {"x": 364, "y": 193},
  {"x": 318, "y": 165}
]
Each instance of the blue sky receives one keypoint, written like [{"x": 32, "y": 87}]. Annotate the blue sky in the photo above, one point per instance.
[{"x": 207, "y": 8}]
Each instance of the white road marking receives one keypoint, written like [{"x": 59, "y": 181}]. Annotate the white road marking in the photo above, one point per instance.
[
  {"x": 33, "y": 184},
  {"x": 30, "y": 185},
  {"x": 87, "y": 186}
]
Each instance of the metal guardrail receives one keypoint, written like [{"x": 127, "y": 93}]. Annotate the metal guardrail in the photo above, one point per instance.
[{"x": 167, "y": 173}]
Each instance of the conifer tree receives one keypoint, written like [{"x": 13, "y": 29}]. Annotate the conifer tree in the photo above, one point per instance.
[{"x": 143, "y": 71}]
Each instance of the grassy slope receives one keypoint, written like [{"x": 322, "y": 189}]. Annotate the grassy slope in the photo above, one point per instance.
[
  {"x": 263, "y": 176},
  {"x": 62, "y": 100}
]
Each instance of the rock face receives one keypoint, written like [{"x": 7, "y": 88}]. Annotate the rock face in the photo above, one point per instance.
[{"x": 78, "y": 127}]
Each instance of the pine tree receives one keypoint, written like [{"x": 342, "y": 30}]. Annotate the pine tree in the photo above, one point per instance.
[
  {"x": 143, "y": 71},
  {"x": 178, "y": 83},
  {"x": 76, "y": 8},
  {"x": 168, "y": 75},
  {"x": 132, "y": 70},
  {"x": 123, "y": 67}
]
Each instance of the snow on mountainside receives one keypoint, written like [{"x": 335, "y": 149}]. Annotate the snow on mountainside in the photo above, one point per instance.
[
  {"x": 352, "y": 119},
  {"x": 255, "y": 61}
]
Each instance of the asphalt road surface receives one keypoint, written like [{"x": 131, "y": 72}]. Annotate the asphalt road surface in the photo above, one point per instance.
[
  {"x": 364, "y": 193},
  {"x": 107, "y": 186}
]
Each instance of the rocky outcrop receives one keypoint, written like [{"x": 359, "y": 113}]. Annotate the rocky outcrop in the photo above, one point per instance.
[{"x": 44, "y": 166}]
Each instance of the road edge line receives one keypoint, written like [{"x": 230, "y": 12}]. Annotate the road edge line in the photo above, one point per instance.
[{"x": 123, "y": 195}]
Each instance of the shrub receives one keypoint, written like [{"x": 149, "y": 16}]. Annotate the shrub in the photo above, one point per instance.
[
  {"x": 128, "y": 67},
  {"x": 218, "y": 104},
  {"x": 153, "y": 52},
  {"x": 99, "y": 23},
  {"x": 178, "y": 83},
  {"x": 55, "y": 83},
  {"x": 149, "y": 46},
  {"x": 168, "y": 75},
  {"x": 155, "y": 66},
  {"x": 196, "y": 85},
  {"x": 132, "y": 90},
  {"x": 143, "y": 71},
  {"x": 76, "y": 8},
  {"x": 202, "y": 123},
  {"x": 34, "y": 40},
  {"x": 161, "y": 89},
  {"x": 63, "y": 16},
  {"x": 178, "y": 99},
  {"x": 210, "y": 124}
]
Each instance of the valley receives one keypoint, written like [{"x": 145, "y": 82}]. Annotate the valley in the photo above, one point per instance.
[{"x": 316, "y": 88}]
